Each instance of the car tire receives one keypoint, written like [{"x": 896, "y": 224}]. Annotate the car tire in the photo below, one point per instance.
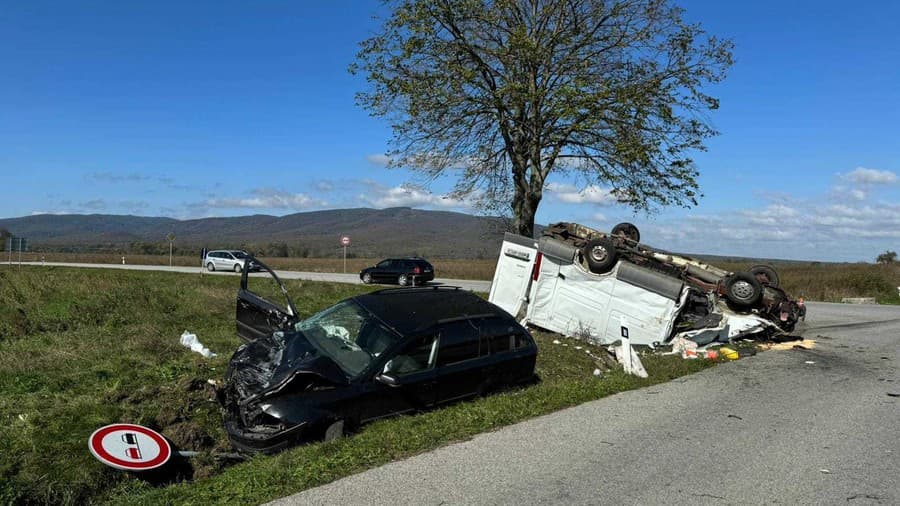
[
  {"x": 743, "y": 289},
  {"x": 628, "y": 231},
  {"x": 766, "y": 275},
  {"x": 210, "y": 267},
  {"x": 367, "y": 278},
  {"x": 600, "y": 254},
  {"x": 238, "y": 268},
  {"x": 334, "y": 431},
  {"x": 403, "y": 280}
]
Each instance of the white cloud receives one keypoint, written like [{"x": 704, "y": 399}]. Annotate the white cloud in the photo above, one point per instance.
[
  {"x": 864, "y": 176},
  {"x": 266, "y": 198},
  {"x": 380, "y": 196},
  {"x": 592, "y": 194},
  {"x": 379, "y": 159}
]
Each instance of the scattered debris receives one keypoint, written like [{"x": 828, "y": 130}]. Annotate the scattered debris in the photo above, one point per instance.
[
  {"x": 809, "y": 362},
  {"x": 824, "y": 471},
  {"x": 806, "y": 344},
  {"x": 556, "y": 341},
  {"x": 729, "y": 353},
  {"x": 189, "y": 340},
  {"x": 626, "y": 356},
  {"x": 735, "y": 416},
  {"x": 598, "y": 373},
  {"x": 890, "y": 394}
]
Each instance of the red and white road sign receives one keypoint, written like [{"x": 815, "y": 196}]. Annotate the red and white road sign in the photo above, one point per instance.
[
  {"x": 345, "y": 241},
  {"x": 129, "y": 447}
]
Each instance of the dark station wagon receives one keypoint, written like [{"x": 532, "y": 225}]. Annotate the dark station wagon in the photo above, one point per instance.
[
  {"x": 403, "y": 271},
  {"x": 367, "y": 357}
]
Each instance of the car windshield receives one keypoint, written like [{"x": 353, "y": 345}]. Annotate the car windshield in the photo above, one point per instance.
[
  {"x": 239, "y": 254},
  {"x": 349, "y": 335}
]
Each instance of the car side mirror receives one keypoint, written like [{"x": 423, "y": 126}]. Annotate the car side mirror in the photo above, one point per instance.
[{"x": 388, "y": 380}]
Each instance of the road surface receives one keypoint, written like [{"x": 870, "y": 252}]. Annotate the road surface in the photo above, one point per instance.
[
  {"x": 467, "y": 284},
  {"x": 816, "y": 426}
]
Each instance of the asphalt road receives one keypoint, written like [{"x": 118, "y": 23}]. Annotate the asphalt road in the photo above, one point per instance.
[
  {"x": 813, "y": 426},
  {"x": 467, "y": 284}
]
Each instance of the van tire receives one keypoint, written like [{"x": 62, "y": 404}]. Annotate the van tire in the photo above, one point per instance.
[
  {"x": 743, "y": 289},
  {"x": 768, "y": 273},
  {"x": 627, "y": 230},
  {"x": 600, "y": 254}
]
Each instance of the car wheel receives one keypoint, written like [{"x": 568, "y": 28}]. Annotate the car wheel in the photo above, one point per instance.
[
  {"x": 210, "y": 267},
  {"x": 367, "y": 278},
  {"x": 743, "y": 289},
  {"x": 237, "y": 268},
  {"x": 766, "y": 275},
  {"x": 334, "y": 431},
  {"x": 600, "y": 254},
  {"x": 403, "y": 280},
  {"x": 628, "y": 231}
]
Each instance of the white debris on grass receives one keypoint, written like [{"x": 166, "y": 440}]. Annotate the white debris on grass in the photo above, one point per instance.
[
  {"x": 556, "y": 341},
  {"x": 597, "y": 372},
  {"x": 630, "y": 360},
  {"x": 189, "y": 340}
]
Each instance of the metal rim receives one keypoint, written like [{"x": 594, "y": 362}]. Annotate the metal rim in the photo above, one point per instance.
[
  {"x": 402, "y": 280},
  {"x": 367, "y": 278},
  {"x": 742, "y": 290},
  {"x": 599, "y": 253}
]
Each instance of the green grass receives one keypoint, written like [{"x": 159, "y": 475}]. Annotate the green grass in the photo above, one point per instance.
[{"x": 83, "y": 348}]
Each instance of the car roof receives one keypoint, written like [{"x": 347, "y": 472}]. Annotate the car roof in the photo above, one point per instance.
[{"x": 411, "y": 310}]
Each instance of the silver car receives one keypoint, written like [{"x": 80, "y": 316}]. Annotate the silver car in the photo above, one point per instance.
[{"x": 227, "y": 260}]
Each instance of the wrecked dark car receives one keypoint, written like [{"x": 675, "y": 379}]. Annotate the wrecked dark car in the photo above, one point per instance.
[{"x": 367, "y": 357}]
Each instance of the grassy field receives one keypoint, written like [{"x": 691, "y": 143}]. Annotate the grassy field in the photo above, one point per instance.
[
  {"x": 84, "y": 348},
  {"x": 827, "y": 282}
]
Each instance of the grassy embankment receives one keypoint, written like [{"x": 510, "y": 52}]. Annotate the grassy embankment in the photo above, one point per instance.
[
  {"x": 828, "y": 282},
  {"x": 83, "y": 348}
]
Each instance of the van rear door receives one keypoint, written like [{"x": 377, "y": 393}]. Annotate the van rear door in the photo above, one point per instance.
[{"x": 512, "y": 277}]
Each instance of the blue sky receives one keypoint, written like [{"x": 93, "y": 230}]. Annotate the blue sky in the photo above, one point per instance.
[{"x": 191, "y": 109}]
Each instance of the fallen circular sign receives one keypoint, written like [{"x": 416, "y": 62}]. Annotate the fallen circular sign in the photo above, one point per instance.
[{"x": 129, "y": 447}]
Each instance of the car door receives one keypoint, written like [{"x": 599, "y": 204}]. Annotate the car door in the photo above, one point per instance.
[
  {"x": 257, "y": 316},
  {"x": 382, "y": 270},
  {"x": 411, "y": 385},
  {"x": 461, "y": 359}
]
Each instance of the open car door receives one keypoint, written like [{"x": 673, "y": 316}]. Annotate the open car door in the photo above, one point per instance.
[{"x": 258, "y": 317}]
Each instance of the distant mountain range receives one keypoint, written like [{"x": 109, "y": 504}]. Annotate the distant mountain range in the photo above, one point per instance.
[{"x": 373, "y": 232}]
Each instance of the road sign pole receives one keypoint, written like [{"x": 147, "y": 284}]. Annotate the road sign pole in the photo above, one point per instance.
[
  {"x": 345, "y": 259},
  {"x": 170, "y": 253}
]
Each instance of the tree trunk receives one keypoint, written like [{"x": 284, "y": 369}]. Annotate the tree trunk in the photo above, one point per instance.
[{"x": 524, "y": 207}]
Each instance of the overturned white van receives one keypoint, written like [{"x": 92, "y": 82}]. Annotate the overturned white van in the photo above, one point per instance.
[{"x": 548, "y": 283}]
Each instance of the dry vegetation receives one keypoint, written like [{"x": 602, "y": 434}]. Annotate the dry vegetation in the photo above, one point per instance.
[{"x": 827, "y": 282}]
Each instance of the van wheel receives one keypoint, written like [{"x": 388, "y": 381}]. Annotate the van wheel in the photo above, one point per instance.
[
  {"x": 210, "y": 267},
  {"x": 600, "y": 254},
  {"x": 766, "y": 275},
  {"x": 628, "y": 231},
  {"x": 403, "y": 280},
  {"x": 743, "y": 289},
  {"x": 237, "y": 268}
]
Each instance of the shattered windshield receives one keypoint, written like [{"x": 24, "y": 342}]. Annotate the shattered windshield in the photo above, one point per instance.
[{"x": 349, "y": 335}]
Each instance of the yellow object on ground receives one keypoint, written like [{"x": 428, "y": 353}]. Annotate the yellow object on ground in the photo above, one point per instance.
[{"x": 729, "y": 353}]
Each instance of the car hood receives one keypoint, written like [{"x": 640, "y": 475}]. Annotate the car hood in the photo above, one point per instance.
[{"x": 268, "y": 364}]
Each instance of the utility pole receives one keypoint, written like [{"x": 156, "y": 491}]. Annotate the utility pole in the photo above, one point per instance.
[{"x": 171, "y": 238}]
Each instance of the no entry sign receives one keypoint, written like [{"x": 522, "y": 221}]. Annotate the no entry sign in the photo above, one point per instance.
[
  {"x": 129, "y": 447},
  {"x": 345, "y": 241}
]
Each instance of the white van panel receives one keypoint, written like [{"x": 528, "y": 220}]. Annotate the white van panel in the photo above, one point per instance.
[
  {"x": 573, "y": 302},
  {"x": 512, "y": 277}
]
